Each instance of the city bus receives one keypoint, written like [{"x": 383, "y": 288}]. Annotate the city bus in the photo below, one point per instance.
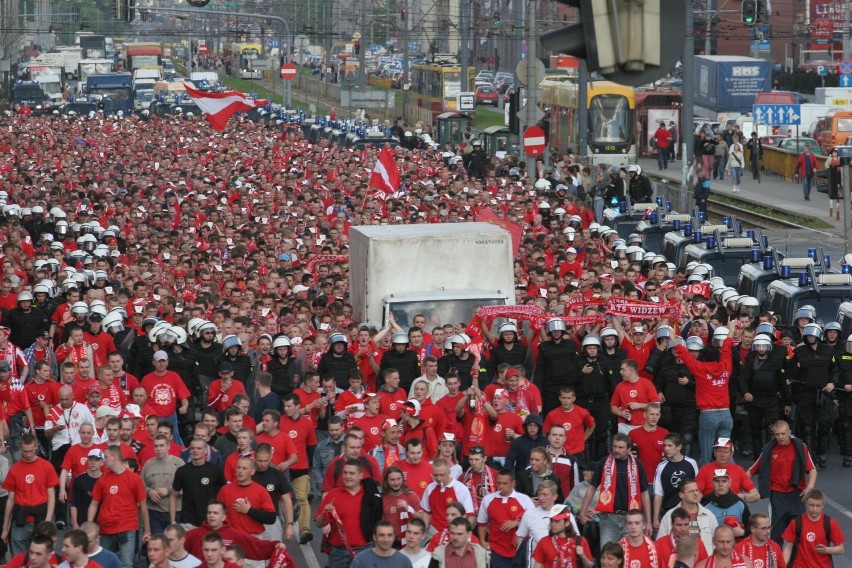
[
  {"x": 243, "y": 57},
  {"x": 437, "y": 84},
  {"x": 611, "y": 120}
]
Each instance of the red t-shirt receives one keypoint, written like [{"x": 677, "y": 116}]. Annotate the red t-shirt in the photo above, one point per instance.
[
  {"x": 38, "y": 394},
  {"x": 739, "y": 480},
  {"x": 813, "y": 534},
  {"x": 547, "y": 555},
  {"x": 126, "y": 382},
  {"x": 76, "y": 459},
  {"x": 639, "y": 354},
  {"x": 119, "y": 496},
  {"x": 433, "y": 416},
  {"x": 496, "y": 510},
  {"x": 495, "y": 436},
  {"x": 417, "y": 477},
  {"x": 16, "y": 398},
  {"x": 282, "y": 446},
  {"x": 642, "y": 391},
  {"x": 306, "y": 398},
  {"x": 388, "y": 405},
  {"x": 649, "y": 448},
  {"x": 348, "y": 507},
  {"x": 666, "y": 551},
  {"x": 759, "y": 555},
  {"x": 781, "y": 472},
  {"x": 220, "y": 398},
  {"x": 254, "y": 493},
  {"x": 372, "y": 427},
  {"x": 30, "y": 481},
  {"x": 447, "y": 405},
  {"x": 165, "y": 392},
  {"x": 575, "y": 421},
  {"x": 303, "y": 435}
]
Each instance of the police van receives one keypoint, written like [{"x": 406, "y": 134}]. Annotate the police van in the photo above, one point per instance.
[
  {"x": 653, "y": 233},
  {"x": 755, "y": 278},
  {"x": 825, "y": 292},
  {"x": 675, "y": 242},
  {"x": 726, "y": 254},
  {"x": 844, "y": 318},
  {"x": 624, "y": 218}
]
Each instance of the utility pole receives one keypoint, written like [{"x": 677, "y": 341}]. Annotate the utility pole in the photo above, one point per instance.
[
  {"x": 406, "y": 67},
  {"x": 582, "y": 105},
  {"x": 847, "y": 48},
  {"x": 362, "y": 51},
  {"x": 464, "y": 37},
  {"x": 532, "y": 86},
  {"x": 687, "y": 112}
]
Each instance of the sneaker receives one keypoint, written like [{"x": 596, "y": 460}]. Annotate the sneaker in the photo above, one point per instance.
[
  {"x": 847, "y": 461},
  {"x": 822, "y": 462},
  {"x": 306, "y": 537}
]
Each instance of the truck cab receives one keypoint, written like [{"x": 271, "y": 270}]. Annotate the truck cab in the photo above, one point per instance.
[
  {"x": 30, "y": 93},
  {"x": 826, "y": 292},
  {"x": 52, "y": 87}
]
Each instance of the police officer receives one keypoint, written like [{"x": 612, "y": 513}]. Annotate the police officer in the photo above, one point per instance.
[
  {"x": 639, "y": 187},
  {"x": 593, "y": 391},
  {"x": 676, "y": 384},
  {"x": 508, "y": 350},
  {"x": 844, "y": 398},
  {"x": 813, "y": 371},
  {"x": 557, "y": 358},
  {"x": 763, "y": 387},
  {"x": 476, "y": 161}
]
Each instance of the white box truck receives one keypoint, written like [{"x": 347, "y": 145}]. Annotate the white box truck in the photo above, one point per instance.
[{"x": 444, "y": 271}]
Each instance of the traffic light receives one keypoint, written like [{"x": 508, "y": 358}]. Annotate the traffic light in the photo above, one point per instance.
[
  {"x": 626, "y": 45},
  {"x": 119, "y": 10},
  {"x": 750, "y": 12},
  {"x": 497, "y": 19},
  {"x": 131, "y": 9},
  {"x": 402, "y": 14}
]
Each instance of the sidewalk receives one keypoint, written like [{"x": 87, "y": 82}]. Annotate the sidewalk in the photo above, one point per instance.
[{"x": 770, "y": 191}]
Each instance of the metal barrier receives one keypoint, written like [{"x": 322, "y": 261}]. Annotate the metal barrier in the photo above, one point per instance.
[{"x": 782, "y": 163}]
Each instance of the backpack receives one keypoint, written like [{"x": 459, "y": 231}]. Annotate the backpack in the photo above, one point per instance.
[{"x": 826, "y": 527}]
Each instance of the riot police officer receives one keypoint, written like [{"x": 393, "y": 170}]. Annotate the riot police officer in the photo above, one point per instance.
[
  {"x": 557, "y": 358},
  {"x": 593, "y": 391},
  {"x": 764, "y": 390}
]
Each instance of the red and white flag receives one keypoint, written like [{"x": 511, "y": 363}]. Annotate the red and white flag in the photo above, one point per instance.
[
  {"x": 385, "y": 178},
  {"x": 219, "y": 107}
]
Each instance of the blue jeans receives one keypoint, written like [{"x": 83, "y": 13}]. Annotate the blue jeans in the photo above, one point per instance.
[
  {"x": 806, "y": 185},
  {"x": 611, "y": 527},
  {"x": 712, "y": 425},
  {"x": 719, "y": 167},
  {"x": 159, "y": 520},
  {"x": 123, "y": 544},
  {"x": 736, "y": 175},
  {"x": 498, "y": 561},
  {"x": 340, "y": 557},
  {"x": 663, "y": 158},
  {"x": 19, "y": 537},
  {"x": 175, "y": 431}
]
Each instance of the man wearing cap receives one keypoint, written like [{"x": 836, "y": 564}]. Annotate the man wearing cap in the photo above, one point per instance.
[
  {"x": 415, "y": 427},
  {"x": 702, "y": 521},
  {"x": 82, "y": 485},
  {"x": 564, "y": 547},
  {"x": 93, "y": 334},
  {"x": 221, "y": 393},
  {"x": 727, "y": 507},
  {"x": 165, "y": 389},
  {"x": 389, "y": 451},
  {"x": 41, "y": 351},
  {"x": 785, "y": 473},
  {"x": 741, "y": 483}
]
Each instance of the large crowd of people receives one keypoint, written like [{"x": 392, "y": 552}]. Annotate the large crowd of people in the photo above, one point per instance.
[{"x": 184, "y": 381}]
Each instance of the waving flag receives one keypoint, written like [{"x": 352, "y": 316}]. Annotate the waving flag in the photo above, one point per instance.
[
  {"x": 219, "y": 107},
  {"x": 385, "y": 178}
]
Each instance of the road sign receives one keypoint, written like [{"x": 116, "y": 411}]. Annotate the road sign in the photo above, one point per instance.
[
  {"x": 846, "y": 80},
  {"x": 822, "y": 70},
  {"x": 467, "y": 102},
  {"x": 845, "y": 67},
  {"x": 288, "y": 71},
  {"x": 538, "y": 114},
  {"x": 270, "y": 43},
  {"x": 534, "y": 141},
  {"x": 778, "y": 114},
  {"x": 537, "y": 71}
]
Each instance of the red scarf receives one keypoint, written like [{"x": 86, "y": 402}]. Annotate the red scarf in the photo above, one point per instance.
[
  {"x": 653, "y": 562},
  {"x": 606, "y": 503},
  {"x": 736, "y": 560},
  {"x": 487, "y": 484},
  {"x": 391, "y": 456},
  {"x": 566, "y": 551},
  {"x": 769, "y": 559}
]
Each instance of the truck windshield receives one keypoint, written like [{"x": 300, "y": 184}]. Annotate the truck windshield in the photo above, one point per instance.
[
  {"x": 28, "y": 93},
  {"x": 51, "y": 88},
  {"x": 440, "y": 312},
  {"x": 115, "y": 94}
]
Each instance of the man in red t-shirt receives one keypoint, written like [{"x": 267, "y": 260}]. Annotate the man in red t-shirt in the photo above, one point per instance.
[
  {"x": 500, "y": 513},
  {"x": 371, "y": 422},
  {"x": 300, "y": 429},
  {"x": 504, "y": 426},
  {"x": 648, "y": 440},
  {"x": 165, "y": 388},
  {"x": 30, "y": 484},
  {"x": 814, "y": 548},
  {"x": 248, "y": 502},
  {"x": 758, "y": 547},
  {"x": 578, "y": 423},
  {"x": 76, "y": 460},
  {"x": 221, "y": 393},
  {"x": 341, "y": 508},
  {"x": 117, "y": 496},
  {"x": 741, "y": 484},
  {"x": 441, "y": 492},
  {"x": 631, "y": 396},
  {"x": 448, "y": 404},
  {"x": 416, "y": 470}
]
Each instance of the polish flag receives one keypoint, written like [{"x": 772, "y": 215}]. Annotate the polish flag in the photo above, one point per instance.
[
  {"x": 385, "y": 176},
  {"x": 219, "y": 107}
]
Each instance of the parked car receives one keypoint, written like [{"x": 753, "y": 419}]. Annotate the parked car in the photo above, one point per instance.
[
  {"x": 486, "y": 96},
  {"x": 797, "y": 144}
]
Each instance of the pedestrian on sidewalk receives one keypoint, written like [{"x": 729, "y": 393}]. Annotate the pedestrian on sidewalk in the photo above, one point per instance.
[
  {"x": 702, "y": 192},
  {"x": 664, "y": 141},
  {"x": 720, "y": 157},
  {"x": 675, "y": 141},
  {"x": 736, "y": 161},
  {"x": 835, "y": 198},
  {"x": 708, "y": 153},
  {"x": 806, "y": 166},
  {"x": 755, "y": 148}
]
